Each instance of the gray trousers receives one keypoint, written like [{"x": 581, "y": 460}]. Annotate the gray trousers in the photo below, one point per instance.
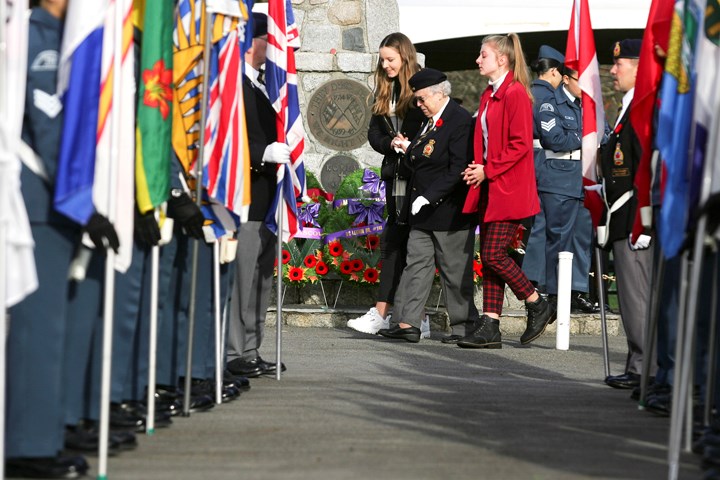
[
  {"x": 634, "y": 271},
  {"x": 452, "y": 253},
  {"x": 250, "y": 293}
]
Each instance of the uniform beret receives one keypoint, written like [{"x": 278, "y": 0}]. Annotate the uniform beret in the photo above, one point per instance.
[
  {"x": 426, "y": 77},
  {"x": 628, "y": 48},
  {"x": 550, "y": 53},
  {"x": 259, "y": 24}
]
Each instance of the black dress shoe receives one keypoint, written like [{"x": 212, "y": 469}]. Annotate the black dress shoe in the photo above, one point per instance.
[
  {"x": 452, "y": 339},
  {"x": 246, "y": 368},
  {"x": 659, "y": 404},
  {"x": 48, "y": 467},
  {"x": 269, "y": 368},
  {"x": 487, "y": 335},
  {"x": 626, "y": 380},
  {"x": 133, "y": 415},
  {"x": 409, "y": 334},
  {"x": 540, "y": 314},
  {"x": 580, "y": 304},
  {"x": 80, "y": 438},
  {"x": 240, "y": 382}
]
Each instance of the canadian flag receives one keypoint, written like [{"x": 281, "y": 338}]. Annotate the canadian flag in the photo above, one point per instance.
[{"x": 580, "y": 55}]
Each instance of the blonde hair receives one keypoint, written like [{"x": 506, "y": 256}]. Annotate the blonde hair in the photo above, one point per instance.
[
  {"x": 509, "y": 45},
  {"x": 384, "y": 84}
]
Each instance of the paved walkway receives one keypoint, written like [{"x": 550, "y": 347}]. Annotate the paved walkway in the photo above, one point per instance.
[{"x": 353, "y": 406}]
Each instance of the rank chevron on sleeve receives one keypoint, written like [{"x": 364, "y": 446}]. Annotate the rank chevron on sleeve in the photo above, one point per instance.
[{"x": 547, "y": 126}]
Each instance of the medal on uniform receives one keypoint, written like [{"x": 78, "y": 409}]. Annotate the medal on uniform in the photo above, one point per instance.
[
  {"x": 618, "y": 157},
  {"x": 427, "y": 151}
]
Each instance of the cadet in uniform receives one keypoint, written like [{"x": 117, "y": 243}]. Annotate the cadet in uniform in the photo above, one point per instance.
[{"x": 558, "y": 121}]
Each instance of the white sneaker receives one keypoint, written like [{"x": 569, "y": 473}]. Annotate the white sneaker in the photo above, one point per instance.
[
  {"x": 370, "y": 322},
  {"x": 425, "y": 327}
]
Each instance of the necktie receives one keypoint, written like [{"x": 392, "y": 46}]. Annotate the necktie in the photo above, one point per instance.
[
  {"x": 429, "y": 125},
  {"x": 578, "y": 102},
  {"x": 261, "y": 76}
]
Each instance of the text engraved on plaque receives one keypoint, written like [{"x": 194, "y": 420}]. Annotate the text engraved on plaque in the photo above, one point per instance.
[{"x": 339, "y": 114}]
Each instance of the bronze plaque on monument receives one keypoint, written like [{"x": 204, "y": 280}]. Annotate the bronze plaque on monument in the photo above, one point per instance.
[
  {"x": 339, "y": 114},
  {"x": 335, "y": 169}
]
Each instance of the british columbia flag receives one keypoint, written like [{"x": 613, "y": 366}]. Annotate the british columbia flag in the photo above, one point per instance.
[{"x": 281, "y": 84}]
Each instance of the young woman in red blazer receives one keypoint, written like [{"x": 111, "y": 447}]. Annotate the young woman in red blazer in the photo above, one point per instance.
[{"x": 503, "y": 189}]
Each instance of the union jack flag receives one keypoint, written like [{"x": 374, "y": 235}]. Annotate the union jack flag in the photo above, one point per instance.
[{"x": 281, "y": 78}]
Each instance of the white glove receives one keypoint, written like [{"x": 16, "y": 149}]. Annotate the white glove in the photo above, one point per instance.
[
  {"x": 418, "y": 204},
  {"x": 594, "y": 188},
  {"x": 277, "y": 152},
  {"x": 642, "y": 243}
]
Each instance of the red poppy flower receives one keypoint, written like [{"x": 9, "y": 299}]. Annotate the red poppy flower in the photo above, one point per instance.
[
  {"x": 296, "y": 274},
  {"x": 357, "y": 265},
  {"x": 285, "y": 257},
  {"x": 371, "y": 275},
  {"x": 335, "y": 248},
  {"x": 372, "y": 242},
  {"x": 321, "y": 268},
  {"x": 310, "y": 261},
  {"x": 346, "y": 267},
  {"x": 477, "y": 268},
  {"x": 439, "y": 123}
]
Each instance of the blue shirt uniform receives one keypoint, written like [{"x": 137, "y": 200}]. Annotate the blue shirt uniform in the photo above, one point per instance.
[{"x": 559, "y": 125}]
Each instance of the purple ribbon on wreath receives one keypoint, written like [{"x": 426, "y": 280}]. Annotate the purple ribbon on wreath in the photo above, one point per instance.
[
  {"x": 369, "y": 214},
  {"x": 373, "y": 184},
  {"x": 309, "y": 213}
]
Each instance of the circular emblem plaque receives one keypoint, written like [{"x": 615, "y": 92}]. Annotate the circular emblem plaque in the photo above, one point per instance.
[
  {"x": 339, "y": 114},
  {"x": 335, "y": 169}
]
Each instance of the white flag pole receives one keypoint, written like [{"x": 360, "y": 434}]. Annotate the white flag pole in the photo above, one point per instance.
[
  {"x": 152, "y": 359},
  {"x": 278, "y": 292},
  {"x": 218, "y": 336}
]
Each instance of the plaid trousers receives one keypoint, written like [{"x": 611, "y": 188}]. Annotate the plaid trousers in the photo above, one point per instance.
[{"x": 498, "y": 268}]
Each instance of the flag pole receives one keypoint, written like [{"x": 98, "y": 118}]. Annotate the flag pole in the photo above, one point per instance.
[
  {"x": 603, "y": 315},
  {"x": 152, "y": 360},
  {"x": 198, "y": 199},
  {"x": 712, "y": 347},
  {"x": 109, "y": 290},
  {"x": 216, "y": 305},
  {"x": 3, "y": 239},
  {"x": 278, "y": 290}
]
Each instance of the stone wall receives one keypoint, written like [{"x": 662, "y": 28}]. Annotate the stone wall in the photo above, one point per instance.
[{"x": 339, "y": 40}]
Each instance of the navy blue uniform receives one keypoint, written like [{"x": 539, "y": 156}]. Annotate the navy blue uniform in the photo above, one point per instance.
[
  {"x": 534, "y": 262},
  {"x": 36, "y": 350},
  {"x": 559, "y": 178}
]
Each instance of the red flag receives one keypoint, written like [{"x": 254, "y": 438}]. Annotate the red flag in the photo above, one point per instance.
[
  {"x": 580, "y": 55},
  {"x": 650, "y": 71}
]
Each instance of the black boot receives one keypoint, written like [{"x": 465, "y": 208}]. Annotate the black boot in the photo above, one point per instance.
[
  {"x": 540, "y": 314},
  {"x": 487, "y": 335}
]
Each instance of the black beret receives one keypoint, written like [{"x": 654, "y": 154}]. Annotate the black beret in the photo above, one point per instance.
[
  {"x": 628, "y": 48},
  {"x": 550, "y": 53},
  {"x": 259, "y": 24},
  {"x": 426, "y": 77}
]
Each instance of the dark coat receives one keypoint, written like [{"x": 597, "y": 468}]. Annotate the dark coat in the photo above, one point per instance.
[
  {"x": 380, "y": 136},
  {"x": 42, "y": 123},
  {"x": 261, "y": 131},
  {"x": 618, "y": 172},
  {"x": 438, "y": 158}
]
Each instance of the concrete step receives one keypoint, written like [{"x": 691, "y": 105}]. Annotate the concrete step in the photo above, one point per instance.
[{"x": 512, "y": 322}]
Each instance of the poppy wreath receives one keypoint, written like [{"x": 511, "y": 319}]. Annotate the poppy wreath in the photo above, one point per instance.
[
  {"x": 303, "y": 262},
  {"x": 356, "y": 258}
]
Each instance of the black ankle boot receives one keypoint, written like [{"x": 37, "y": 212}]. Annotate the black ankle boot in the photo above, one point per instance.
[
  {"x": 540, "y": 314},
  {"x": 487, "y": 335}
]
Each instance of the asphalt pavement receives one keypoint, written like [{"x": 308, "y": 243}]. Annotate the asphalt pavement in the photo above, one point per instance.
[{"x": 355, "y": 406}]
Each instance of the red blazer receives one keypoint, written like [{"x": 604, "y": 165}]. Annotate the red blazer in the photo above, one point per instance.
[{"x": 509, "y": 168}]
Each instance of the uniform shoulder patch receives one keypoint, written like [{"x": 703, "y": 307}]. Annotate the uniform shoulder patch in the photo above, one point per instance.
[
  {"x": 547, "y": 107},
  {"x": 45, "y": 61}
]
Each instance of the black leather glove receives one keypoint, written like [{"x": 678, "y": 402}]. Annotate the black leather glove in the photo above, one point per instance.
[
  {"x": 186, "y": 213},
  {"x": 147, "y": 231},
  {"x": 102, "y": 233}
]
